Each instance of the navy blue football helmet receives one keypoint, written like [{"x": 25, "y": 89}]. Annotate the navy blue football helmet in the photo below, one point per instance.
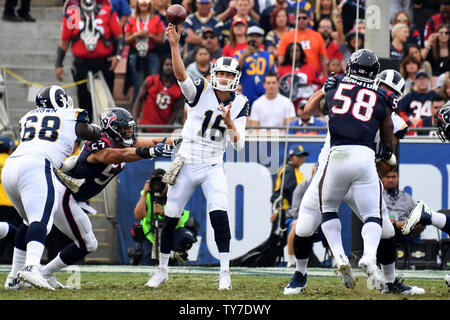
[
  {"x": 363, "y": 65},
  {"x": 120, "y": 126},
  {"x": 443, "y": 122}
]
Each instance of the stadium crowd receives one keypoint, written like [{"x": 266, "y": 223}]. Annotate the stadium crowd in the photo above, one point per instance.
[{"x": 261, "y": 35}]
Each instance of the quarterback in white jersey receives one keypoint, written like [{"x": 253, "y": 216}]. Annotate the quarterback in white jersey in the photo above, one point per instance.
[
  {"x": 309, "y": 217},
  {"x": 48, "y": 136},
  {"x": 217, "y": 114}
]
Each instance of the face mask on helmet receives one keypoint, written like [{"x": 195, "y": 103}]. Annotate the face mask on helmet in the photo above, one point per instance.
[
  {"x": 443, "y": 120},
  {"x": 53, "y": 97},
  {"x": 119, "y": 125},
  {"x": 229, "y": 65},
  {"x": 88, "y": 5}
]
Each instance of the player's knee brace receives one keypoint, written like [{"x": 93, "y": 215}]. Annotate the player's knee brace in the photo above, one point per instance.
[
  {"x": 37, "y": 231},
  {"x": 302, "y": 247},
  {"x": 221, "y": 226},
  {"x": 386, "y": 253},
  {"x": 167, "y": 234}
]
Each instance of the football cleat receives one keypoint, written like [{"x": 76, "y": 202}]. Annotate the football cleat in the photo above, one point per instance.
[
  {"x": 32, "y": 275},
  {"x": 345, "y": 271},
  {"x": 158, "y": 278},
  {"x": 397, "y": 287},
  {"x": 447, "y": 279},
  {"x": 296, "y": 285},
  {"x": 420, "y": 214},
  {"x": 51, "y": 279},
  {"x": 14, "y": 283},
  {"x": 374, "y": 277},
  {"x": 224, "y": 280}
]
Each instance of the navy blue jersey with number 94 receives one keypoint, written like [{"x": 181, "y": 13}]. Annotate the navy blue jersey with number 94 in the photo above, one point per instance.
[{"x": 356, "y": 110}]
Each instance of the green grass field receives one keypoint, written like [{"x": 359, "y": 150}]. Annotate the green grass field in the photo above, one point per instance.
[{"x": 197, "y": 283}]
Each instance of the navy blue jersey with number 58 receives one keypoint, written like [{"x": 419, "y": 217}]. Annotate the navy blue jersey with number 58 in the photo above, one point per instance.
[{"x": 356, "y": 110}]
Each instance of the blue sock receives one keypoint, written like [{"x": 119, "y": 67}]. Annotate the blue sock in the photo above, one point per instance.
[
  {"x": 11, "y": 235},
  {"x": 19, "y": 241},
  {"x": 167, "y": 234},
  {"x": 71, "y": 254},
  {"x": 37, "y": 231}
]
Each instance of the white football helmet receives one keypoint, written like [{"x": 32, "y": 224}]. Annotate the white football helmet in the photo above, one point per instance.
[
  {"x": 393, "y": 79},
  {"x": 226, "y": 64}
]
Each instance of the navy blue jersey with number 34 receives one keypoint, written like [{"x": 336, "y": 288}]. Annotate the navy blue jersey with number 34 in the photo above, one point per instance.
[{"x": 356, "y": 110}]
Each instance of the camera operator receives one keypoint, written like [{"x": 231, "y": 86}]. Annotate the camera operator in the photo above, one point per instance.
[{"x": 150, "y": 212}]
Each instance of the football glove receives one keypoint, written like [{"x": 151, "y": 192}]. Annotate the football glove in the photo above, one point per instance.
[{"x": 330, "y": 83}]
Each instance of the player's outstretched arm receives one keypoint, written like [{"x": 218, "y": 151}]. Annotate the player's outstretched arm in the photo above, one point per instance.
[
  {"x": 87, "y": 131},
  {"x": 312, "y": 107},
  {"x": 173, "y": 36}
]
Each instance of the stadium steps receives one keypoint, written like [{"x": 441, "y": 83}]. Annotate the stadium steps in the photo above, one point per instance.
[{"x": 29, "y": 51}]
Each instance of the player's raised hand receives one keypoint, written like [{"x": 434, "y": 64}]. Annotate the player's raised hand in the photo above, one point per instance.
[
  {"x": 226, "y": 114},
  {"x": 173, "y": 34}
]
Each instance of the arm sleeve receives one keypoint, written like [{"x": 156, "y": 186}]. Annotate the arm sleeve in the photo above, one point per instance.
[
  {"x": 240, "y": 128},
  {"x": 189, "y": 89}
]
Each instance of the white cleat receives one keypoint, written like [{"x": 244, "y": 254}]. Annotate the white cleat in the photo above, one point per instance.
[
  {"x": 345, "y": 271},
  {"x": 224, "y": 280},
  {"x": 419, "y": 211},
  {"x": 14, "y": 283},
  {"x": 158, "y": 278},
  {"x": 374, "y": 278},
  {"x": 32, "y": 275},
  {"x": 51, "y": 279}
]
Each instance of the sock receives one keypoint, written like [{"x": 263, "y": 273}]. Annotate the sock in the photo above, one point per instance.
[
  {"x": 371, "y": 234},
  {"x": 301, "y": 265},
  {"x": 224, "y": 258},
  {"x": 18, "y": 261},
  {"x": 71, "y": 254},
  {"x": 167, "y": 234},
  {"x": 53, "y": 266},
  {"x": 34, "y": 253},
  {"x": 388, "y": 272},
  {"x": 386, "y": 253},
  {"x": 164, "y": 260},
  {"x": 332, "y": 231},
  {"x": 438, "y": 219}
]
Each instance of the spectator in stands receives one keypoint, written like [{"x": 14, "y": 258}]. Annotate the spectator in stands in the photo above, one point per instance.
[
  {"x": 279, "y": 21},
  {"x": 437, "y": 49},
  {"x": 400, "y": 34},
  {"x": 422, "y": 11},
  {"x": 303, "y": 5},
  {"x": 196, "y": 21},
  {"x": 201, "y": 67},
  {"x": 312, "y": 43},
  {"x": 349, "y": 9},
  {"x": 305, "y": 120},
  {"x": 144, "y": 32},
  {"x": 443, "y": 17},
  {"x": 417, "y": 103},
  {"x": 349, "y": 46},
  {"x": 265, "y": 21},
  {"x": 444, "y": 90},
  {"x": 23, "y": 14},
  {"x": 430, "y": 122},
  {"x": 400, "y": 6},
  {"x": 7, "y": 211},
  {"x": 292, "y": 177},
  {"x": 243, "y": 12},
  {"x": 271, "y": 109},
  {"x": 324, "y": 9},
  {"x": 414, "y": 35},
  {"x": 94, "y": 56},
  {"x": 228, "y": 9},
  {"x": 306, "y": 79},
  {"x": 444, "y": 75},
  {"x": 325, "y": 28},
  {"x": 159, "y": 101},
  {"x": 399, "y": 204},
  {"x": 237, "y": 37},
  {"x": 408, "y": 68},
  {"x": 160, "y": 7},
  {"x": 413, "y": 50},
  {"x": 123, "y": 10},
  {"x": 335, "y": 65},
  {"x": 189, "y": 5},
  {"x": 255, "y": 63},
  {"x": 211, "y": 42}
]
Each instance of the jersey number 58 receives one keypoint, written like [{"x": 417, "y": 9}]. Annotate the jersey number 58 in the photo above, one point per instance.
[{"x": 362, "y": 108}]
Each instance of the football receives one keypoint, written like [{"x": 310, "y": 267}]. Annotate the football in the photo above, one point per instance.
[{"x": 176, "y": 14}]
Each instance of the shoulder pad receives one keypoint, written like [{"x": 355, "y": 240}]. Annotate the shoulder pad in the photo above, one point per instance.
[
  {"x": 81, "y": 115},
  {"x": 103, "y": 143}
]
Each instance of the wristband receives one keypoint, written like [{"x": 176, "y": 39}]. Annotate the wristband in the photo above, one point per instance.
[
  {"x": 60, "y": 54},
  {"x": 143, "y": 152}
]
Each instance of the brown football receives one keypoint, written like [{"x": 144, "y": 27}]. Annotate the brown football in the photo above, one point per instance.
[{"x": 176, "y": 14}]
